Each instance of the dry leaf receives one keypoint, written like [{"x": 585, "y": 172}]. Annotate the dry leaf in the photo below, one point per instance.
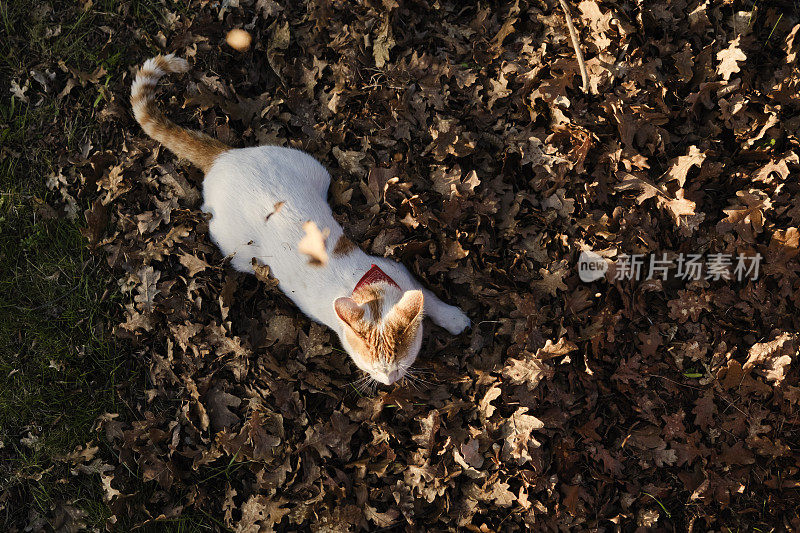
[
  {"x": 147, "y": 289},
  {"x": 193, "y": 263},
  {"x": 313, "y": 244},
  {"x": 729, "y": 59}
]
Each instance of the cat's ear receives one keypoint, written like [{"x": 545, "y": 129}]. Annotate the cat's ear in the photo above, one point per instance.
[
  {"x": 408, "y": 310},
  {"x": 349, "y": 312}
]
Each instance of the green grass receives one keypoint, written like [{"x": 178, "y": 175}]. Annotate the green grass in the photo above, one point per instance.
[{"x": 60, "y": 365}]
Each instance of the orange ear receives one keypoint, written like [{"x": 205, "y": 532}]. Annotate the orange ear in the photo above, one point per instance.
[
  {"x": 408, "y": 308},
  {"x": 349, "y": 312}
]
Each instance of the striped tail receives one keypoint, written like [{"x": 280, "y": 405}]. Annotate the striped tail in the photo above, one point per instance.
[{"x": 197, "y": 147}]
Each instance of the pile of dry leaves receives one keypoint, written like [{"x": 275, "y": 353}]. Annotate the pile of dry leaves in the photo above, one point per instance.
[{"x": 461, "y": 144}]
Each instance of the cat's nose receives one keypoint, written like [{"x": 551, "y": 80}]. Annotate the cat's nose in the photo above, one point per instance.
[
  {"x": 387, "y": 378},
  {"x": 381, "y": 377}
]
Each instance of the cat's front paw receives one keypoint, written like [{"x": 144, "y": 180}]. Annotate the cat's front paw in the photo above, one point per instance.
[{"x": 453, "y": 320}]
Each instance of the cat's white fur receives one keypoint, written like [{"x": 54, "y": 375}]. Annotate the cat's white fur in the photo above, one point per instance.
[{"x": 242, "y": 189}]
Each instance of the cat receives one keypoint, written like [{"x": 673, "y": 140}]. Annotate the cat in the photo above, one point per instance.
[{"x": 259, "y": 199}]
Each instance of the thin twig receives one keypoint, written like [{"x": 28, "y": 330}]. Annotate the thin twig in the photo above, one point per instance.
[{"x": 577, "y": 45}]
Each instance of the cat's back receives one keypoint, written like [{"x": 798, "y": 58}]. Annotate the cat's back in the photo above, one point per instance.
[
  {"x": 264, "y": 169},
  {"x": 259, "y": 199}
]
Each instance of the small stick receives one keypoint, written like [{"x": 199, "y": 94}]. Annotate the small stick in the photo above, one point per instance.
[{"x": 577, "y": 45}]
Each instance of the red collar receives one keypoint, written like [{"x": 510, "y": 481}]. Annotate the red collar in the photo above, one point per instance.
[{"x": 374, "y": 275}]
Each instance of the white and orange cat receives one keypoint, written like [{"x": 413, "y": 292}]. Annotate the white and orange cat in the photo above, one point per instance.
[{"x": 373, "y": 303}]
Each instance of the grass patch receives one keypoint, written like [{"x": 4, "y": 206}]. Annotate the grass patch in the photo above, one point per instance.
[
  {"x": 60, "y": 366},
  {"x": 58, "y": 363}
]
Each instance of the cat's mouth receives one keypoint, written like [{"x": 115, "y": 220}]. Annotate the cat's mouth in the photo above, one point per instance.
[
  {"x": 374, "y": 275},
  {"x": 387, "y": 378}
]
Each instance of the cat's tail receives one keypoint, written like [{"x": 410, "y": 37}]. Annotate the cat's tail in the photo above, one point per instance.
[{"x": 197, "y": 147}]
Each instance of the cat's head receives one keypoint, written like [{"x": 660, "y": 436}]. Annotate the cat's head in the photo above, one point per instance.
[{"x": 381, "y": 329}]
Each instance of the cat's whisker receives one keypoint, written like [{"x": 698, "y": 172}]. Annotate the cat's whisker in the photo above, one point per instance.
[
  {"x": 422, "y": 383},
  {"x": 359, "y": 380},
  {"x": 415, "y": 375},
  {"x": 359, "y": 385},
  {"x": 416, "y": 380},
  {"x": 363, "y": 377},
  {"x": 365, "y": 384}
]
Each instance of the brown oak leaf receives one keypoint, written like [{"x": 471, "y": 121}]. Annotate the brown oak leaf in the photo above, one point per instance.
[
  {"x": 219, "y": 404},
  {"x": 147, "y": 290},
  {"x": 313, "y": 244},
  {"x": 748, "y": 215},
  {"x": 679, "y": 167},
  {"x": 775, "y": 356},
  {"x": 528, "y": 371},
  {"x": 193, "y": 263},
  {"x": 729, "y": 59}
]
